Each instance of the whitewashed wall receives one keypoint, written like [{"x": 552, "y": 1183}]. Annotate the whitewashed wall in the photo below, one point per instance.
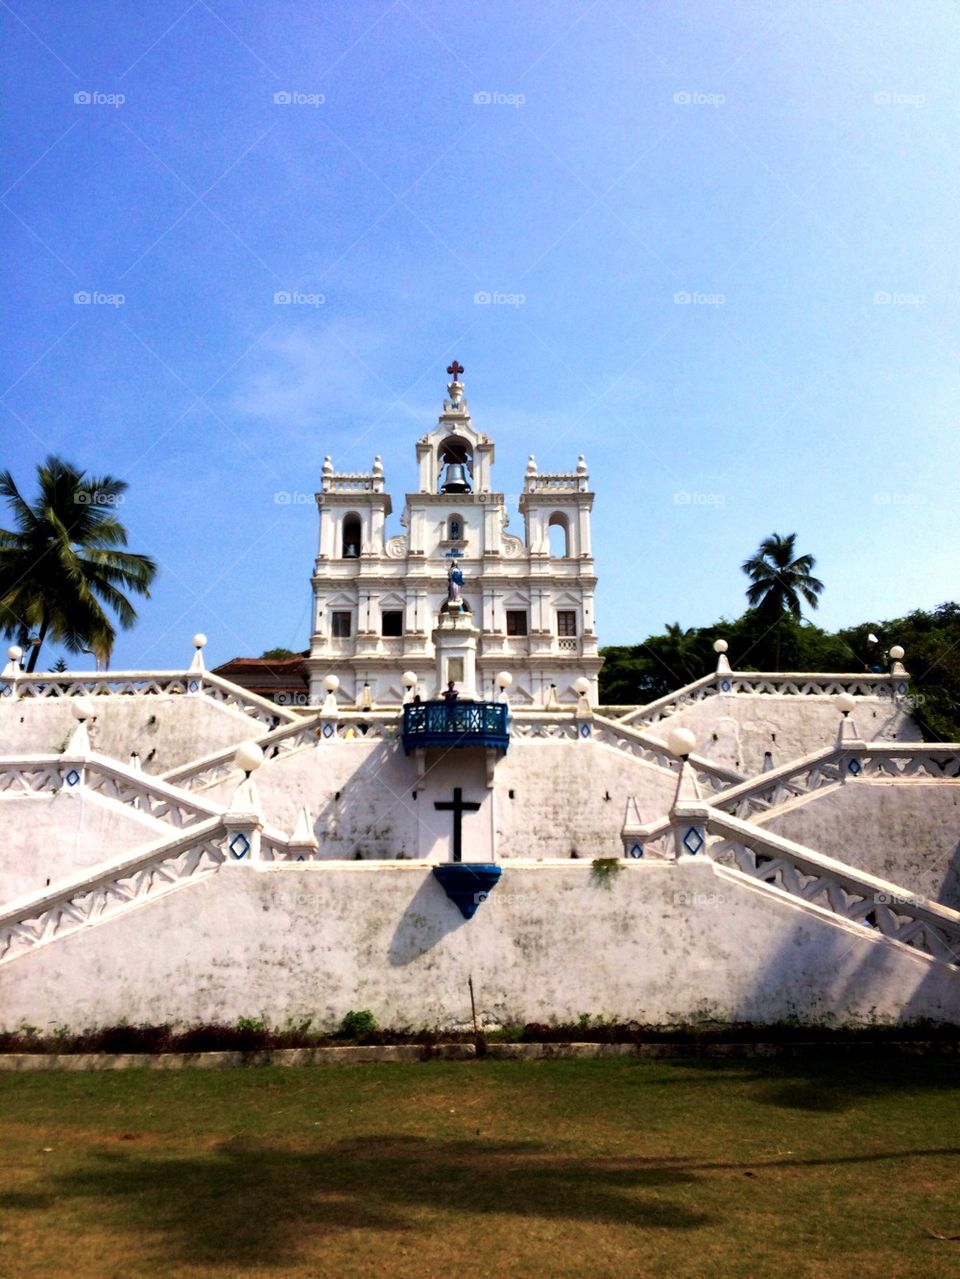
[
  {"x": 906, "y": 832},
  {"x": 663, "y": 945},
  {"x": 737, "y": 729}
]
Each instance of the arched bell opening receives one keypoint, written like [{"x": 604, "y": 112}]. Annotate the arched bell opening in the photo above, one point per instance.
[
  {"x": 350, "y": 537},
  {"x": 455, "y": 465}
]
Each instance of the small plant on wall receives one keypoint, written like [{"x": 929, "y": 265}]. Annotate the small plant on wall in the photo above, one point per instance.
[{"x": 604, "y": 871}]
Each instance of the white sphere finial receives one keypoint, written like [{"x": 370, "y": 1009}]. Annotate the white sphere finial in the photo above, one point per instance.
[
  {"x": 82, "y": 708},
  {"x": 846, "y": 702},
  {"x": 248, "y": 757},
  {"x": 504, "y": 679},
  {"x": 409, "y": 679},
  {"x": 581, "y": 686},
  {"x": 897, "y": 652},
  {"x": 199, "y": 640},
  {"x": 681, "y": 741},
  {"x": 14, "y": 652},
  {"x": 331, "y": 683},
  {"x": 720, "y": 646}
]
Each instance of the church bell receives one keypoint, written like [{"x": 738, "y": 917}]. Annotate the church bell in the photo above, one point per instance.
[{"x": 457, "y": 479}]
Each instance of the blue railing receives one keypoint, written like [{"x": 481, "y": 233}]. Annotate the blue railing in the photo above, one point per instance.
[{"x": 460, "y": 724}]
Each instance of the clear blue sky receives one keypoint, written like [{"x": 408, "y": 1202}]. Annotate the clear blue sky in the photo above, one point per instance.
[{"x": 797, "y": 161}]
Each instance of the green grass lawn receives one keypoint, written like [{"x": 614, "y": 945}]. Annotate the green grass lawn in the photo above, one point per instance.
[{"x": 593, "y": 1168}]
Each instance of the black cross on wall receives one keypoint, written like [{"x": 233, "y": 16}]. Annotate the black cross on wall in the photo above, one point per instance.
[{"x": 458, "y": 807}]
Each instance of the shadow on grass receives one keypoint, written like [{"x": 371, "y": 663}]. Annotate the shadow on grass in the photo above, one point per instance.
[
  {"x": 246, "y": 1202},
  {"x": 827, "y": 1082}
]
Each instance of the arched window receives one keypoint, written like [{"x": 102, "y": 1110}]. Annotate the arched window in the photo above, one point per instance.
[
  {"x": 351, "y": 537},
  {"x": 559, "y": 533},
  {"x": 455, "y": 528}
]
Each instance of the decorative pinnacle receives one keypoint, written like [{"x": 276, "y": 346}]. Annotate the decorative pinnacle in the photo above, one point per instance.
[{"x": 455, "y": 370}]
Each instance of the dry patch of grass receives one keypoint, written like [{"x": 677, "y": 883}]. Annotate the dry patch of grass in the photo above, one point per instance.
[{"x": 596, "y": 1168}]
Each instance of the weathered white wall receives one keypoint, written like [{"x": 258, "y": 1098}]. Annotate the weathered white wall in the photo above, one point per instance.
[
  {"x": 664, "y": 944},
  {"x": 737, "y": 729},
  {"x": 906, "y": 832},
  {"x": 183, "y": 728},
  {"x": 50, "y": 837},
  {"x": 567, "y": 796}
]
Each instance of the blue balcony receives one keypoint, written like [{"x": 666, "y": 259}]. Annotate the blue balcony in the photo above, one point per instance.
[{"x": 462, "y": 724}]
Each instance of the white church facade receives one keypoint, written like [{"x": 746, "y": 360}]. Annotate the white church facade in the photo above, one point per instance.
[{"x": 378, "y": 599}]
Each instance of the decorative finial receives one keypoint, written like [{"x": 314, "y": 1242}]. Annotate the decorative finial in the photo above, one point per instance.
[
  {"x": 327, "y": 465},
  {"x": 455, "y": 370},
  {"x": 581, "y": 465},
  {"x": 531, "y": 465},
  {"x": 378, "y": 465}
]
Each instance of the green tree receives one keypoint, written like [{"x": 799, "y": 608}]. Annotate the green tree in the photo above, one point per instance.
[
  {"x": 277, "y": 654},
  {"x": 780, "y": 579},
  {"x": 62, "y": 567}
]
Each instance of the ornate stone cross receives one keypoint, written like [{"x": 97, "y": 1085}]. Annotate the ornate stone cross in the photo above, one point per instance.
[
  {"x": 455, "y": 370},
  {"x": 458, "y": 807}
]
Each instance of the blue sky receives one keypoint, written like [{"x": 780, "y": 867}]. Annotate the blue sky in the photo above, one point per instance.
[{"x": 788, "y": 168}]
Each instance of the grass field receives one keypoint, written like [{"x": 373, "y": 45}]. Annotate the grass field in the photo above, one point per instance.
[{"x": 592, "y": 1168}]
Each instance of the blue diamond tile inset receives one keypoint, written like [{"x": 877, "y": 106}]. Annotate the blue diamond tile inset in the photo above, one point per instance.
[
  {"x": 239, "y": 846},
  {"x": 853, "y": 766},
  {"x": 693, "y": 841},
  {"x": 636, "y": 850},
  {"x": 72, "y": 777},
  {"x": 192, "y": 686},
  {"x": 901, "y": 689},
  {"x": 584, "y": 730},
  {"x": 725, "y": 686},
  {"x": 328, "y": 730},
  {"x": 5, "y": 690}
]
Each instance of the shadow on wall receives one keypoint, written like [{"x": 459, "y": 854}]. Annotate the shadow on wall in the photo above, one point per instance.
[
  {"x": 429, "y": 917},
  {"x": 949, "y": 894}
]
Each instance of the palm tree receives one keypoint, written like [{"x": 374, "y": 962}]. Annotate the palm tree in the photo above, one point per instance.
[
  {"x": 61, "y": 564},
  {"x": 779, "y": 580}
]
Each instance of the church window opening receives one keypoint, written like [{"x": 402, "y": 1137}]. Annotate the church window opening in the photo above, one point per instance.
[
  {"x": 391, "y": 622},
  {"x": 455, "y": 528},
  {"x": 516, "y": 621},
  {"x": 351, "y": 537},
  {"x": 558, "y": 530},
  {"x": 456, "y": 465},
  {"x": 340, "y": 625},
  {"x": 566, "y": 622}
]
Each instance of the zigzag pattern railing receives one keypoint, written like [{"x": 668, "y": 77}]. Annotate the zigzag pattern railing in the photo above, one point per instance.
[
  {"x": 300, "y": 735},
  {"x": 111, "y": 889},
  {"x": 752, "y": 853},
  {"x": 46, "y": 774},
  {"x": 150, "y": 684},
  {"x": 779, "y": 683},
  {"x": 632, "y": 741},
  {"x": 829, "y": 767}
]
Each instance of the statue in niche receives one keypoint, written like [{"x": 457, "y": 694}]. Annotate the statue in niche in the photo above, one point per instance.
[{"x": 454, "y": 584}]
